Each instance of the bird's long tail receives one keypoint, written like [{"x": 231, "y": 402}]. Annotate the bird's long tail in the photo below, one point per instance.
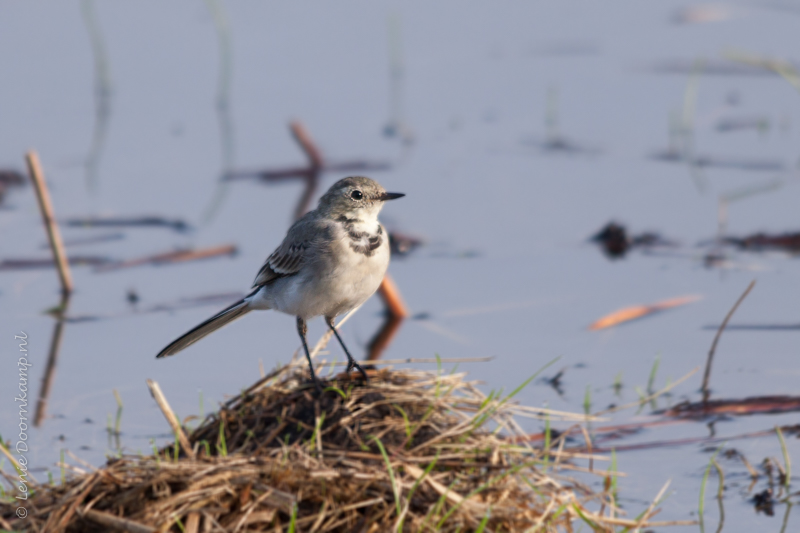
[{"x": 211, "y": 325}]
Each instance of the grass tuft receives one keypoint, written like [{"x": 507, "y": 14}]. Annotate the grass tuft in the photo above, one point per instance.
[{"x": 410, "y": 451}]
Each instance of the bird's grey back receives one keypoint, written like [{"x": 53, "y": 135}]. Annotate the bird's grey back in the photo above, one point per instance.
[{"x": 306, "y": 240}]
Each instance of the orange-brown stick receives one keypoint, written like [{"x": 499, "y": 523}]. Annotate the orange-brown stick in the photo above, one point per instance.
[
  {"x": 315, "y": 164},
  {"x": 304, "y": 140},
  {"x": 390, "y": 295}
]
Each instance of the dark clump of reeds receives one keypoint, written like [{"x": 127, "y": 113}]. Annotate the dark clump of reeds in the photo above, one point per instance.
[{"x": 411, "y": 451}]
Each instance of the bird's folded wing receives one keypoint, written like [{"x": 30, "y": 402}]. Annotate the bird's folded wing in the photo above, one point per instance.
[{"x": 287, "y": 260}]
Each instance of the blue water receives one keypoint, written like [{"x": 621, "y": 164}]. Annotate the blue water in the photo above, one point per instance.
[{"x": 506, "y": 270}]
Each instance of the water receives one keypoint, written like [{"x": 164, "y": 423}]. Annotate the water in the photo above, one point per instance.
[{"x": 506, "y": 270}]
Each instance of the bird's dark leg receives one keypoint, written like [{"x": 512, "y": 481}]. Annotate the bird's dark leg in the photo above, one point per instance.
[
  {"x": 351, "y": 363},
  {"x": 302, "y": 329}
]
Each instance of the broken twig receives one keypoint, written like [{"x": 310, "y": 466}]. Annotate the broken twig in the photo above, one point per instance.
[
  {"x": 172, "y": 420},
  {"x": 53, "y": 233},
  {"x": 178, "y": 256},
  {"x": 707, "y": 373}
]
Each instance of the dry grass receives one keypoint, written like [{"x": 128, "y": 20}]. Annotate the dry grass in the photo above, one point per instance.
[{"x": 413, "y": 451}]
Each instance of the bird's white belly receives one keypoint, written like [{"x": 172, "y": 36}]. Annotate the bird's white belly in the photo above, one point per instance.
[{"x": 340, "y": 282}]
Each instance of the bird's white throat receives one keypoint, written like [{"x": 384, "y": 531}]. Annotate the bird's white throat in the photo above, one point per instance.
[{"x": 364, "y": 220}]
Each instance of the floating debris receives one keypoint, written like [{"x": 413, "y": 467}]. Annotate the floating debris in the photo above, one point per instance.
[
  {"x": 709, "y": 161},
  {"x": 703, "y": 13},
  {"x": 217, "y": 299},
  {"x": 705, "y": 440},
  {"x": 554, "y": 141},
  {"x": 616, "y": 243},
  {"x": 221, "y": 298},
  {"x": 91, "y": 240},
  {"x": 789, "y": 242},
  {"x": 13, "y": 178},
  {"x": 133, "y": 222},
  {"x": 764, "y": 503},
  {"x": 132, "y": 297},
  {"x": 614, "y": 240},
  {"x": 561, "y": 145},
  {"x": 311, "y": 173},
  {"x": 291, "y": 173},
  {"x": 714, "y": 67},
  {"x": 9, "y": 179},
  {"x": 607, "y": 433},
  {"x": 402, "y": 244},
  {"x": 729, "y": 124},
  {"x": 748, "y": 406},
  {"x": 178, "y": 256},
  {"x": 78, "y": 260},
  {"x": 640, "y": 311},
  {"x": 566, "y": 48},
  {"x": 555, "y": 381}
]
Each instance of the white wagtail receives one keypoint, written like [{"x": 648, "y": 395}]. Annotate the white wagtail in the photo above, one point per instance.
[{"x": 330, "y": 262}]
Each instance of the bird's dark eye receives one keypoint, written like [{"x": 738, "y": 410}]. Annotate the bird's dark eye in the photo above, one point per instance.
[{"x": 356, "y": 195}]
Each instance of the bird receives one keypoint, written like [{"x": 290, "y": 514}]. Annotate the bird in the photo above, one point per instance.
[{"x": 330, "y": 262}]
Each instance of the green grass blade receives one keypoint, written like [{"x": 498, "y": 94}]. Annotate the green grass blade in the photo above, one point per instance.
[
  {"x": 481, "y": 418},
  {"x": 587, "y": 401},
  {"x": 652, "y": 379},
  {"x": 701, "y": 504},
  {"x": 480, "y": 489},
  {"x": 527, "y": 381},
  {"x": 406, "y": 421},
  {"x": 417, "y": 483},
  {"x": 485, "y": 521},
  {"x": 392, "y": 479},
  {"x": 155, "y": 452},
  {"x": 585, "y": 518},
  {"x": 118, "y": 420},
  {"x": 293, "y": 519},
  {"x": 786, "y": 459},
  {"x": 436, "y": 508},
  {"x": 547, "y": 434},
  {"x": 337, "y": 390},
  {"x": 613, "y": 468},
  {"x": 222, "y": 446}
]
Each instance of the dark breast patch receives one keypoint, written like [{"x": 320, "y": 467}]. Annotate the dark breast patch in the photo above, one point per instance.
[{"x": 361, "y": 241}]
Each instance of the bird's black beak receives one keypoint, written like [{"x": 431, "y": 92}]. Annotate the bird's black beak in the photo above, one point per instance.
[{"x": 390, "y": 196}]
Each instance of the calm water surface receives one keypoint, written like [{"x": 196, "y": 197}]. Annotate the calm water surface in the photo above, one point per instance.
[{"x": 506, "y": 270}]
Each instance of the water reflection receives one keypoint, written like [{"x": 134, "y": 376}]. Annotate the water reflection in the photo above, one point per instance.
[
  {"x": 223, "y": 103},
  {"x": 102, "y": 93},
  {"x": 59, "y": 313},
  {"x": 554, "y": 141},
  {"x": 396, "y": 126},
  {"x": 311, "y": 173},
  {"x": 519, "y": 260}
]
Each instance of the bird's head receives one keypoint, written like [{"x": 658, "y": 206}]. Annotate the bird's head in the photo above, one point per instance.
[{"x": 356, "y": 197}]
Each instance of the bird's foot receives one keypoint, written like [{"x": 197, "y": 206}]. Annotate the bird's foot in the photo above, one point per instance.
[{"x": 352, "y": 364}]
